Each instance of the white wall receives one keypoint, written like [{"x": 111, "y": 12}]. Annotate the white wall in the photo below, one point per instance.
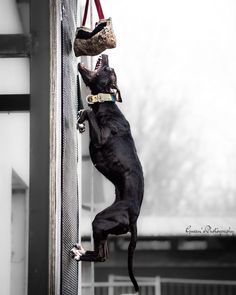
[
  {"x": 14, "y": 153},
  {"x": 5, "y": 224}
]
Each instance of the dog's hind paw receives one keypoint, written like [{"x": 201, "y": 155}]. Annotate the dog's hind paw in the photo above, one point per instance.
[
  {"x": 80, "y": 249},
  {"x": 75, "y": 254},
  {"x": 77, "y": 251}
]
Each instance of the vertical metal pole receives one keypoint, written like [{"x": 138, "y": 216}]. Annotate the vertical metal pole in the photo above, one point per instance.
[
  {"x": 55, "y": 148},
  {"x": 92, "y": 216},
  {"x": 79, "y": 172},
  {"x": 92, "y": 184},
  {"x": 70, "y": 210},
  {"x": 39, "y": 201},
  {"x": 45, "y": 148}
]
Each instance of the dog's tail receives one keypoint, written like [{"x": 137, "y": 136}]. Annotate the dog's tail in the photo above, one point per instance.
[{"x": 131, "y": 248}]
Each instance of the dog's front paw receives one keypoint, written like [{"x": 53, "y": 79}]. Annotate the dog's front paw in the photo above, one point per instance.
[
  {"x": 81, "y": 117},
  {"x": 81, "y": 127},
  {"x": 77, "y": 251}
]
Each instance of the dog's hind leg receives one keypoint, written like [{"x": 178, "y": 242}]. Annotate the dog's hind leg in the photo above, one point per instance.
[
  {"x": 112, "y": 220},
  {"x": 100, "y": 253}
]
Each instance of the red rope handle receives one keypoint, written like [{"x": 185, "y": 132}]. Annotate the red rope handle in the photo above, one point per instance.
[
  {"x": 85, "y": 12},
  {"x": 99, "y": 11}
]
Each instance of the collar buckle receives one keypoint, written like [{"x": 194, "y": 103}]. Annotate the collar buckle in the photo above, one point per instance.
[{"x": 90, "y": 99}]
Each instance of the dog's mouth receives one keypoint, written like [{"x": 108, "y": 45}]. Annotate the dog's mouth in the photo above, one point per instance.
[{"x": 102, "y": 62}]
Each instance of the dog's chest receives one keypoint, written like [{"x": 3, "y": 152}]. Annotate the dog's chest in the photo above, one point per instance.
[{"x": 113, "y": 119}]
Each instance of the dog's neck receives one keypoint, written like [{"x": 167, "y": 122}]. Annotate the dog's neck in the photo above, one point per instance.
[
  {"x": 101, "y": 101},
  {"x": 103, "y": 107}
]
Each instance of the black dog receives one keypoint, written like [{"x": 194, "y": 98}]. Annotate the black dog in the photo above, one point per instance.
[{"x": 114, "y": 154}]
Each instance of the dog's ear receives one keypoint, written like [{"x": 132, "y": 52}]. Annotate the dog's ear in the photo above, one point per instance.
[
  {"x": 118, "y": 95},
  {"x": 114, "y": 89}
]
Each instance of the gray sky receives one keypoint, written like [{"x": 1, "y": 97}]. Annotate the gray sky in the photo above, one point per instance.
[
  {"x": 181, "y": 51},
  {"x": 178, "y": 59}
]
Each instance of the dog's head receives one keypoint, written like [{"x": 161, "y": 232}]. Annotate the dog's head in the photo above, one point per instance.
[{"x": 102, "y": 79}]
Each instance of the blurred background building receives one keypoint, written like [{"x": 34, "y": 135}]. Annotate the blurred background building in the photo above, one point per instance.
[{"x": 176, "y": 68}]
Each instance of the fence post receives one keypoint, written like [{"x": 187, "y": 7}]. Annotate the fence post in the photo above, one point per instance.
[
  {"x": 111, "y": 286},
  {"x": 157, "y": 286}
]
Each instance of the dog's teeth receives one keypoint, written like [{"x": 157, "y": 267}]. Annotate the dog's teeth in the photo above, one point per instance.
[{"x": 99, "y": 61}]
